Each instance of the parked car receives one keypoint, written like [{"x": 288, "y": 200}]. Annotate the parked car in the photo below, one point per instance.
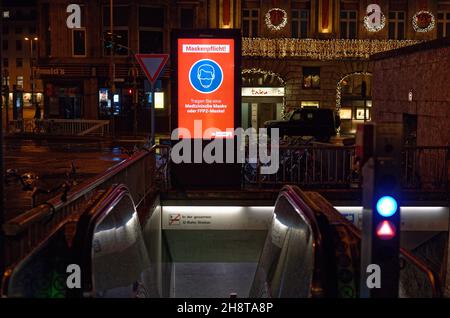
[{"x": 316, "y": 122}]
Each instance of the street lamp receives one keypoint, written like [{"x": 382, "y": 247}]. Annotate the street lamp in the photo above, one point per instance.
[{"x": 31, "y": 39}]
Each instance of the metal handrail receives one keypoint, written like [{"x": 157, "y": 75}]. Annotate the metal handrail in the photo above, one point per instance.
[
  {"x": 293, "y": 196},
  {"x": 432, "y": 277},
  {"x": 87, "y": 223}
]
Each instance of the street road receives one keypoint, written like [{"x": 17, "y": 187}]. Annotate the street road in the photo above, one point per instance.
[{"x": 49, "y": 161}]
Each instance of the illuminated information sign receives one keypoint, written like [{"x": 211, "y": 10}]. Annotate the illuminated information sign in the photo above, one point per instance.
[{"x": 206, "y": 85}]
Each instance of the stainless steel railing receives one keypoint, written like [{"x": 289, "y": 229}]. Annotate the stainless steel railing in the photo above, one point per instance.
[
  {"x": 335, "y": 167},
  {"x": 64, "y": 127}
]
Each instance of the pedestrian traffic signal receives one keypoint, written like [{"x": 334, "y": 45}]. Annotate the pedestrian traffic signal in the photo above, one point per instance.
[
  {"x": 386, "y": 206},
  {"x": 386, "y": 230}
]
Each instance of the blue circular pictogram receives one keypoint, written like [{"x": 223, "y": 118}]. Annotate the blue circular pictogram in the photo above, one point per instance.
[{"x": 206, "y": 76}]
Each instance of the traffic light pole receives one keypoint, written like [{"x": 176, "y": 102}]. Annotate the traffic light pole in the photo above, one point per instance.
[
  {"x": 380, "y": 246},
  {"x": 2, "y": 170}
]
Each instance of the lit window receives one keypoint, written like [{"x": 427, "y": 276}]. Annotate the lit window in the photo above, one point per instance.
[
  {"x": 311, "y": 77},
  {"x": 19, "y": 81}
]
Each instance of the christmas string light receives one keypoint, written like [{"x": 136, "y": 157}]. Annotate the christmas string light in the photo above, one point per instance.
[
  {"x": 319, "y": 49},
  {"x": 339, "y": 87},
  {"x": 416, "y": 25},
  {"x": 268, "y": 20},
  {"x": 258, "y": 71},
  {"x": 374, "y": 28}
]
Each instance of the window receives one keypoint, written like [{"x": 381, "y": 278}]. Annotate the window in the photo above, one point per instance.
[
  {"x": 19, "y": 81},
  {"x": 300, "y": 23},
  {"x": 120, "y": 16},
  {"x": 151, "y": 29},
  {"x": 311, "y": 77},
  {"x": 187, "y": 18},
  {"x": 45, "y": 13},
  {"x": 348, "y": 24},
  {"x": 151, "y": 42},
  {"x": 18, "y": 29},
  {"x": 250, "y": 22},
  {"x": 120, "y": 32},
  {"x": 5, "y": 62},
  {"x": 443, "y": 26},
  {"x": 5, "y": 45},
  {"x": 5, "y": 29},
  {"x": 19, "y": 62},
  {"x": 78, "y": 42},
  {"x": 18, "y": 45},
  {"x": 309, "y": 104},
  {"x": 6, "y": 80},
  {"x": 397, "y": 25},
  {"x": 19, "y": 14}
]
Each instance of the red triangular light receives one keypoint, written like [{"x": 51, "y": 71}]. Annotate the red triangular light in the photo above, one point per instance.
[{"x": 386, "y": 230}]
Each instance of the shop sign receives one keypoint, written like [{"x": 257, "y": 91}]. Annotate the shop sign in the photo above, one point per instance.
[
  {"x": 50, "y": 71},
  {"x": 262, "y": 91}
]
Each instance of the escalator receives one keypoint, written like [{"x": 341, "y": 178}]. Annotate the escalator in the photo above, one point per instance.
[{"x": 301, "y": 247}]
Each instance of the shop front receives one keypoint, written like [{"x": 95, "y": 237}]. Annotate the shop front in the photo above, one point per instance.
[
  {"x": 260, "y": 104},
  {"x": 64, "y": 99}
]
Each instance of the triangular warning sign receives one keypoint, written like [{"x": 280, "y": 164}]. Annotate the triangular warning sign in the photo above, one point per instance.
[
  {"x": 152, "y": 64},
  {"x": 386, "y": 230}
]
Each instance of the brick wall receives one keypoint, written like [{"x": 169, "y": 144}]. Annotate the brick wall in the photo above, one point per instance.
[{"x": 426, "y": 73}]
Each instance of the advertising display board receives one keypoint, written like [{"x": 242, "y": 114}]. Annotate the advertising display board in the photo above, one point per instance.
[
  {"x": 206, "y": 85},
  {"x": 206, "y": 99}
]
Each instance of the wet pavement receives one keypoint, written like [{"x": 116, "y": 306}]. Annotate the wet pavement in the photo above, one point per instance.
[{"x": 46, "y": 164}]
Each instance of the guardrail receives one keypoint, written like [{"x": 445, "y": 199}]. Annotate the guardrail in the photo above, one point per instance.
[
  {"x": 426, "y": 167},
  {"x": 139, "y": 173},
  {"x": 323, "y": 166},
  {"x": 65, "y": 127}
]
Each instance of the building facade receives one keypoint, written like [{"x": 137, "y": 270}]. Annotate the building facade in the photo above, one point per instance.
[
  {"x": 19, "y": 51},
  {"x": 296, "y": 53}
]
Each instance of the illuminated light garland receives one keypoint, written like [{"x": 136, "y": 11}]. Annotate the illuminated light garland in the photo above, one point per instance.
[
  {"x": 269, "y": 23},
  {"x": 339, "y": 87},
  {"x": 257, "y": 71},
  {"x": 333, "y": 49},
  {"x": 370, "y": 27},
  {"x": 418, "y": 28}
]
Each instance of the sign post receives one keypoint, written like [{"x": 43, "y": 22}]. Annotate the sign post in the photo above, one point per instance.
[{"x": 152, "y": 65}]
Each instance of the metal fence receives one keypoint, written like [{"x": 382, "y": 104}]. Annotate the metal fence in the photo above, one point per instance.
[
  {"x": 314, "y": 166},
  {"x": 334, "y": 167},
  {"x": 140, "y": 173},
  {"x": 65, "y": 127},
  {"x": 426, "y": 168}
]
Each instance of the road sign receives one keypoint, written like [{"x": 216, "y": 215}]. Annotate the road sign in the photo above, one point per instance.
[{"x": 152, "y": 64}]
